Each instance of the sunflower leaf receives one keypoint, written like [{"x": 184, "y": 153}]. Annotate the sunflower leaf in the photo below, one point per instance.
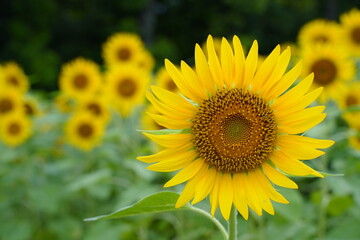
[
  {"x": 158, "y": 202},
  {"x": 162, "y": 131}
]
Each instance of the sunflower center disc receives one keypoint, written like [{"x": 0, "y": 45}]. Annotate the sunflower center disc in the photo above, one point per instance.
[
  {"x": 13, "y": 81},
  {"x": 123, "y": 54},
  {"x": 5, "y": 105},
  {"x": 351, "y": 101},
  {"x": 95, "y": 108},
  {"x": 325, "y": 71},
  {"x": 85, "y": 130},
  {"x": 29, "y": 109},
  {"x": 356, "y": 35},
  {"x": 80, "y": 81},
  {"x": 126, "y": 87},
  {"x": 235, "y": 131},
  {"x": 14, "y": 128}
]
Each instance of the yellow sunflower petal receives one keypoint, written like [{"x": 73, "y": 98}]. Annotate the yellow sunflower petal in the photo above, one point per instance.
[
  {"x": 240, "y": 200},
  {"x": 278, "y": 178},
  {"x": 169, "y": 122},
  {"x": 227, "y": 58},
  {"x": 175, "y": 163},
  {"x": 204, "y": 185},
  {"x": 187, "y": 194},
  {"x": 265, "y": 69},
  {"x": 251, "y": 195},
  {"x": 286, "y": 81},
  {"x": 180, "y": 81},
  {"x": 260, "y": 193},
  {"x": 214, "y": 64},
  {"x": 301, "y": 115},
  {"x": 170, "y": 140},
  {"x": 278, "y": 72},
  {"x": 291, "y": 165},
  {"x": 193, "y": 81},
  {"x": 202, "y": 70},
  {"x": 214, "y": 195},
  {"x": 300, "y": 127},
  {"x": 165, "y": 154},
  {"x": 173, "y": 100},
  {"x": 186, "y": 173},
  {"x": 311, "y": 142},
  {"x": 226, "y": 196},
  {"x": 250, "y": 64},
  {"x": 239, "y": 63}
]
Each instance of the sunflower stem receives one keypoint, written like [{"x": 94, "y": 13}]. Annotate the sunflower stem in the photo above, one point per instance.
[
  {"x": 214, "y": 220},
  {"x": 233, "y": 224}
]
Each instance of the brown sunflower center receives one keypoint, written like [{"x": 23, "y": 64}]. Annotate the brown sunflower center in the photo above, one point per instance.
[
  {"x": 6, "y": 105},
  {"x": 351, "y": 100},
  {"x": 325, "y": 71},
  {"x": 320, "y": 39},
  {"x": 123, "y": 54},
  {"x": 94, "y": 108},
  {"x": 12, "y": 80},
  {"x": 85, "y": 130},
  {"x": 29, "y": 110},
  {"x": 234, "y": 131},
  {"x": 126, "y": 87},
  {"x": 14, "y": 128},
  {"x": 80, "y": 81},
  {"x": 170, "y": 85},
  {"x": 355, "y": 34}
]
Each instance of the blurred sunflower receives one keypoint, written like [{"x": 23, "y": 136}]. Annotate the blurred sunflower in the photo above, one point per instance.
[
  {"x": 354, "y": 141},
  {"x": 123, "y": 48},
  {"x": 84, "y": 131},
  {"x": 350, "y": 99},
  {"x": 350, "y": 22},
  {"x": 147, "y": 123},
  {"x": 126, "y": 85},
  {"x": 164, "y": 80},
  {"x": 14, "y": 77},
  {"x": 319, "y": 31},
  {"x": 332, "y": 69},
  {"x": 15, "y": 128},
  {"x": 80, "y": 78},
  {"x": 64, "y": 103},
  {"x": 98, "y": 106},
  {"x": 10, "y": 102},
  {"x": 234, "y": 127},
  {"x": 31, "y": 107},
  {"x": 146, "y": 61}
]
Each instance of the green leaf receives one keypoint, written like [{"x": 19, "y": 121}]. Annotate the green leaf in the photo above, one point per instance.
[
  {"x": 331, "y": 174},
  {"x": 163, "y": 131},
  {"x": 158, "y": 202}
]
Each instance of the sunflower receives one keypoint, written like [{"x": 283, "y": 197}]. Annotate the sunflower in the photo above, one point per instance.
[
  {"x": 31, "y": 107},
  {"x": 164, "y": 80},
  {"x": 234, "y": 128},
  {"x": 319, "y": 31},
  {"x": 147, "y": 123},
  {"x": 350, "y": 22},
  {"x": 10, "y": 102},
  {"x": 64, "y": 103},
  {"x": 350, "y": 99},
  {"x": 80, "y": 78},
  {"x": 332, "y": 68},
  {"x": 83, "y": 131},
  {"x": 123, "y": 48},
  {"x": 146, "y": 61},
  {"x": 14, "y": 77},
  {"x": 98, "y": 106},
  {"x": 217, "y": 46},
  {"x": 354, "y": 141},
  {"x": 126, "y": 85},
  {"x": 15, "y": 128}
]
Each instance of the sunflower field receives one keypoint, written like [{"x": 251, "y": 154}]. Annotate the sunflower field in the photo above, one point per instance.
[{"x": 236, "y": 129}]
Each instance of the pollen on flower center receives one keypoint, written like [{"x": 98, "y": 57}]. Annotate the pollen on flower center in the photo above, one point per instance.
[{"x": 235, "y": 131}]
